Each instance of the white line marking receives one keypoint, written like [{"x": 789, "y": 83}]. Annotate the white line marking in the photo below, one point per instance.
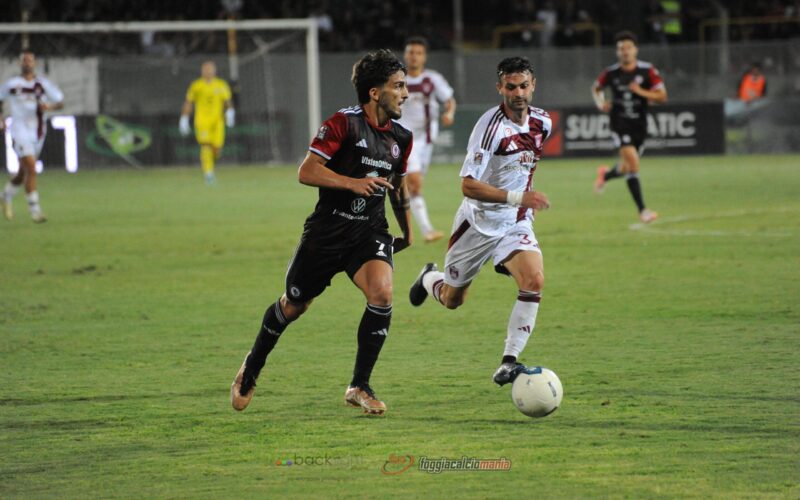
[{"x": 655, "y": 226}]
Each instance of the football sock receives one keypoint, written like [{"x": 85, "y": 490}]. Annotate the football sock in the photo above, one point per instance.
[
  {"x": 521, "y": 322},
  {"x": 10, "y": 190},
  {"x": 420, "y": 212},
  {"x": 636, "y": 190},
  {"x": 372, "y": 334},
  {"x": 508, "y": 359},
  {"x": 33, "y": 202},
  {"x": 613, "y": 173},
  {"x": 272, "y": 327},
  {"x": 432, "y": 282},
  {"x": 207, "y": 159}
]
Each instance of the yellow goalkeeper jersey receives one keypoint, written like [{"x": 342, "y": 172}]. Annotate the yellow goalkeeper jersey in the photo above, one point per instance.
[{"x": 209, "y": 99}]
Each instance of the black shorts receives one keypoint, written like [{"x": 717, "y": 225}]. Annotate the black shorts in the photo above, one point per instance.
[
  {"x": 629, "y": 134},
  {"x": 310, "y": 271}
]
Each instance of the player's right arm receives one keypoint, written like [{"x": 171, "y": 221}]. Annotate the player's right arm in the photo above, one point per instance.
[
  {"x": 599, "y": 95},
  {"x": 314, "y": 172},
  {"x": 481, "y": 191},
  {"x": 186, "y": 110}
]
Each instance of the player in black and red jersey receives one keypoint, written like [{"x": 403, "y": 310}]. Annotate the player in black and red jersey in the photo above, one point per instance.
[
  {"x": 633, "y": 85},
  {"x": 357, "y": 159}
]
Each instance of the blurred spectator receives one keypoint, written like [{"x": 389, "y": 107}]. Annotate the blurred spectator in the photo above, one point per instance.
[{"x": 753, "y": 85}]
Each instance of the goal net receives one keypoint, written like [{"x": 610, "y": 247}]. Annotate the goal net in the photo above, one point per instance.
[{"x": 125, "y": 83}]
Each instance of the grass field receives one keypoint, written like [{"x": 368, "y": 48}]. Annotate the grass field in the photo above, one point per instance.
[{"x": 125, "y": 318}]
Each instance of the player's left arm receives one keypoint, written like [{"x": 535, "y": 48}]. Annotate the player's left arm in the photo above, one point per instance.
[
  {"x": 656, "y": 91},
  {"x": 399, "y": 200},
  {"x": 230, "y": 111},
  {"x": 54, "y": 95},
  {"x": 448, "y": 117}
]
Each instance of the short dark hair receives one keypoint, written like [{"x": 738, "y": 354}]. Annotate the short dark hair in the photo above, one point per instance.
[
  {"x": 373, "y": 70},
  {"x": 626, "y": 35},
  {"x": 417, "y": 40},
  {"x": 514, "y": 65}
]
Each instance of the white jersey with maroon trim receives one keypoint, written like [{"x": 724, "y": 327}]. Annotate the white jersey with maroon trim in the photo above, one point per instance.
[
  {"x": 22, "y": 98},
  {"x": 426, "y": 93},
  {"x": 503, "y": 154}
]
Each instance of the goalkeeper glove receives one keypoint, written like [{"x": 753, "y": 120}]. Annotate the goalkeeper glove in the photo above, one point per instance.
[
  {"x": 184, "y": 127},
  {"x": 230, "y": 117}
]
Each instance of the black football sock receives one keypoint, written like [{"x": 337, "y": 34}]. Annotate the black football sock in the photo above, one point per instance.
[
  {"x": 372, "y": 334},
  {"x": 272, "y": 327},
  {"x": 509, "y": 359},
  {"x": 613, "y": 173},
  {"x": 636, "y": 190}
]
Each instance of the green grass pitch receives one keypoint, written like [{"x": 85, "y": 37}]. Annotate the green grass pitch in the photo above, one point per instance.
[{"x": 126, "y": 316}]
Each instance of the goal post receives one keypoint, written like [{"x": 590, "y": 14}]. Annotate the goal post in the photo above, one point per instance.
[{"x": 266, "y": 39}]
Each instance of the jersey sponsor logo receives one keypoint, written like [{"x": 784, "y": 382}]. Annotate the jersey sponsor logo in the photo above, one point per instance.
[
  {"x": 526, "y": 158},
  {"x": 349, "y": 216},
  {"x": 395, "y": 151},
  {"x": 365, "y": 160},
  {"x": 322, "y": 131},
  {"x": 362, "y": 144},
  {"x": 358, "y": 205}
]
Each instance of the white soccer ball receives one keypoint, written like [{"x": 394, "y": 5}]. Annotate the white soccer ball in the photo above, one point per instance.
[{"x": 537, "y": 392}]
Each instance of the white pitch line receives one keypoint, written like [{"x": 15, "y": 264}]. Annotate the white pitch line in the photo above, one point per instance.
[{"x": 654, "y": 227}]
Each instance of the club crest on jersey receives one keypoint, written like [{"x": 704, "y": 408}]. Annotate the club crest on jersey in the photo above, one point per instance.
[
  {"x": 322, "y": 131},
  {"x": 358, "y": 205},
  {"x": 395, "y": 150},
  {"x": 526, "y": 159}
]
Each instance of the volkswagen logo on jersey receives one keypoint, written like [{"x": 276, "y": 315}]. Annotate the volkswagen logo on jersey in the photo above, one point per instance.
[
  {"x": 358, "y": 205},
  {"x": 395, "y": 150}
]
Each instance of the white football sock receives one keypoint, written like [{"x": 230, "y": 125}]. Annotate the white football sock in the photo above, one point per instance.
[
  {"x": 432, "y": 282},
  {"x": 521, "y": 322},
  {"x": 10, "y": 190},
  {"x": 33, "y": 202},
  {"x": 420, "y": 212}
]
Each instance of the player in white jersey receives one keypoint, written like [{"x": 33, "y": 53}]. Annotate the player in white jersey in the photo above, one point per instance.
[
  {"x": 29, "y": 97},
  {"x": 494, "y": 219},
  {"x": 428, "y": 91}
]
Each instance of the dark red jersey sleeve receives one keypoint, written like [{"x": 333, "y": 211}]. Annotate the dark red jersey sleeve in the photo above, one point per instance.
[
  {"x": 654, "y": 77},
  {"x": 601, "y": 79},
  {"x": 406, "y": 153},
  {"x": 330, "y": 136}
]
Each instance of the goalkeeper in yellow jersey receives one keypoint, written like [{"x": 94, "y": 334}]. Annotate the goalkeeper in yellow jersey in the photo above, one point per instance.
[{"x": 211, "y": 98}]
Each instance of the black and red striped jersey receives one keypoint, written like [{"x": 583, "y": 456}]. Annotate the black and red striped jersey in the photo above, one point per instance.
[
  {"x": 627, "y": 106},
  {"x": 355, "y": 147}
]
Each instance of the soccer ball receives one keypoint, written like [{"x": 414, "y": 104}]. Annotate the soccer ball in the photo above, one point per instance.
[{"x": 537, "y": 392}]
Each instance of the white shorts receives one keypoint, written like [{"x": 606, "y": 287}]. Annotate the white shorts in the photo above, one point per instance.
[
  {"x": 28, "y": 146},
  {"x": 470, "y": 249},
  {"x": 420, "y": 158}
]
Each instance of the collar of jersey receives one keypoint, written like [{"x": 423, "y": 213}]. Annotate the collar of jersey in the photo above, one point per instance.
[{"x": 374, "y": 125}]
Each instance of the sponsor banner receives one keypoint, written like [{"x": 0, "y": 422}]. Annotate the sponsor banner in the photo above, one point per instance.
[
  {"x": 583, "y": 131},
  {"x": 671, "y": 129},
  {"x": 102, "y": 140}
]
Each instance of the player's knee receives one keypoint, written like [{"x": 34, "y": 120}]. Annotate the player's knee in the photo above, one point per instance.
[
  {"x": 293, "y": 310},
  {"x": 533, "y": 282},
  {"x": 380, "y": 295}
]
